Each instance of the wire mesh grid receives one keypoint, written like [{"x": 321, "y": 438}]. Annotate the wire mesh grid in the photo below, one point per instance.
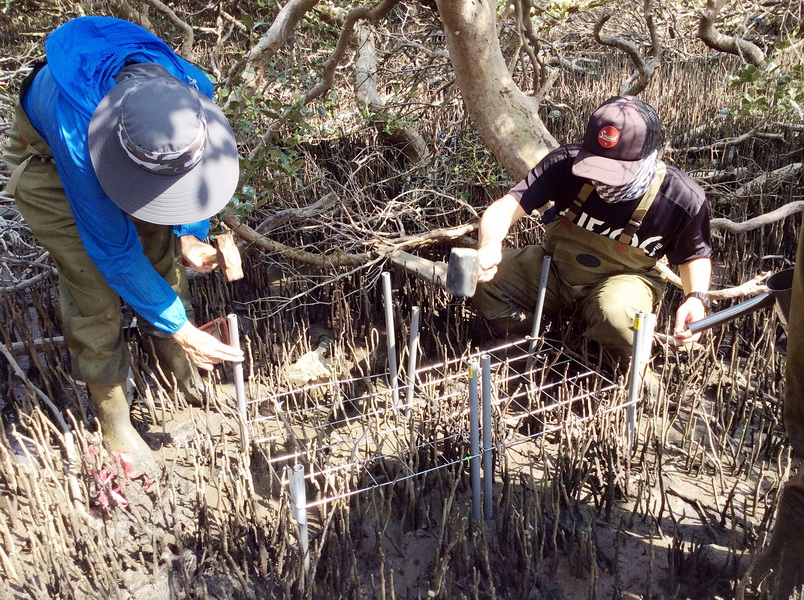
[{"x": 352, "y": 437}]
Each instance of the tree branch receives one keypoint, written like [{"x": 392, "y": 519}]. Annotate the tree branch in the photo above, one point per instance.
[
  {"x": 644, "y": 70},
  {"x": 782, "y": 173},
  {"x": 716, "y": 40},
  {"x": 281, "y": 29},
  {"x": 752, "y": 287},
  {"x": 775, "y": 215},
  {"x": 406, "y": 137},
  {"x": 328, "y": 75},
  {"x": 340, "y": 259},
  {"x": 187, "y": 37}
]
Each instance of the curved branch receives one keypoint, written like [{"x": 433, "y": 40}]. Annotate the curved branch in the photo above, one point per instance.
[
  {"x": 781, "y": 173},
  {"x": 341, "y": 259},
  {"x": 21, "y": 285},
  {"x": 362, "y": 12},
  {"x": 322, "y": 261},
  {"x": 775, "y": 215},
  {"x": 281, "y": 29},
  {"x": 644, "y": 70},
  {"x": 730, "y": 44},
  {"x": 187, "y": 32},
  {"x": 328, "y": 75},
  {"x": 752, "y": 287},
  {"x": 407, "y": 138},
  {"x": 506, "y": 119}
]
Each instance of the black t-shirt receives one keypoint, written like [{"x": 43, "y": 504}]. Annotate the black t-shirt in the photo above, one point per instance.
[{"x": 676, "y": 225}]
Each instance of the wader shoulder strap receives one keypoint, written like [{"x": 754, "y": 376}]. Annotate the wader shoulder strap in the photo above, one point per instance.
[
  {"x": 647, "y": 200},
  {"x": 577, "y": 204},
  {"x": 33, "y": 153}
]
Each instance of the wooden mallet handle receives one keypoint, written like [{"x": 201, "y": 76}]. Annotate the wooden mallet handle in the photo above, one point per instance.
[{"x": 229, "y": 256}]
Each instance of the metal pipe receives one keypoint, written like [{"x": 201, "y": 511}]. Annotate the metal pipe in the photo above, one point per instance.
[
  {"x": 537, "y": 314},
  {"x": 488, "y": 458},
  {"x": 391, "y": 338},
  {"x": 413, "y": 351},
  {"x": 738, "y": 310},
  {"x": 298, "y": 508},
  {"x": 474, "y": 439},
  {"x": 640, "y": 354},
  {"x": 240, "y": 389}
]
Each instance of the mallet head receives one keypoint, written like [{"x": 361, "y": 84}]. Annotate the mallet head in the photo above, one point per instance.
[{"x": 463, "y": 270}]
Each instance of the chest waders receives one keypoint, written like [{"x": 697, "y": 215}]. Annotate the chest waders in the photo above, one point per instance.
[
  {"x": 90, "y": 309},
  {"x": 583, "y": 258},
  {"x": 607, "y": 279}
]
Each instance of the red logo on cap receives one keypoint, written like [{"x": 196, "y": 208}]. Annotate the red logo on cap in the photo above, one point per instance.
[{"x": 608, "y": 137}]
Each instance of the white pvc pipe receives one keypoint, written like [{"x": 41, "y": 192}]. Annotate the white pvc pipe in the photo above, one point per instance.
[
  {"x": 488, "y": 459},
  {"x": 240, "y": 389},
  {"x": 298, "y": 507},
  {"x": 474, "y": 439},
  {"x": 391, "y": 338},
  {"x": 413, "y": 352},
  {"x": 644, "y": 324}
]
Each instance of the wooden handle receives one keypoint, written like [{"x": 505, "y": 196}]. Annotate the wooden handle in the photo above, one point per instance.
[
  {"x": 435, "y": 272},
  {"x": 229, "y": 257}
]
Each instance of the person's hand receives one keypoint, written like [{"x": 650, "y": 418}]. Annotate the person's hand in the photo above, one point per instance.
[
  {"x": 488, "y": 257},
  {"x": 691, "y": 310},
  {"x": 198, "y": 255},
  {"x": 204, "y": 350}
]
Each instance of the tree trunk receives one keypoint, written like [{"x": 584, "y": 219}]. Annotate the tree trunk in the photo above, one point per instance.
[{"x": 505, "y": 117}]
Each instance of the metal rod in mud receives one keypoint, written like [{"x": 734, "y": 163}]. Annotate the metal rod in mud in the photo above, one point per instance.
[
  {"x": 390, "y": 337},
  {"x": 537, "y": 314},
  {"x": 644, "y": 324},
  {"x": 240, "y": 389},
  {"x": 488, "y": 459},
  {"x": 298, "y": 508},
  {"x": 474, "y": 439},
  {"x": 413, "y": 351}
]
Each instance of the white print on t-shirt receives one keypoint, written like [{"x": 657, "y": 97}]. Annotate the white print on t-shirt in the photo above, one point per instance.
[{"x": 651, "y": 245}]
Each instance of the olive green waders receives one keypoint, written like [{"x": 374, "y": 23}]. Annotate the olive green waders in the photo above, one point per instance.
[
  {"x": 91, "y": 311},
  {"x": 781, "y": 564},
  {"x": 608, "y": 279}
]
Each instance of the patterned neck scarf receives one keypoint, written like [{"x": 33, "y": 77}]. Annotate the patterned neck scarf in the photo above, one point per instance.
[{"x": 635, "y": 188}]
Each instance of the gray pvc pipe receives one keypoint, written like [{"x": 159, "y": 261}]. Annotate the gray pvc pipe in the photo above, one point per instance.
[
  {"x": 474, "y": 439},
  {"x": 488, "y": 459},
  {"x": 240, "y": 389},
  {"x": 391, "y": 338},
  {"x": 298, "y": 508},
  {"x": 413, "y": 351},
  {"x": 537, "y": 315}
]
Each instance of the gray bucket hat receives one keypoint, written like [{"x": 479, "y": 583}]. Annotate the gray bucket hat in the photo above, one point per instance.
[{"x": 163, "y": 152}]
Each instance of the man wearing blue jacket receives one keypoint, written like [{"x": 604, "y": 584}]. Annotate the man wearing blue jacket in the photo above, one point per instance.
[{"x": 118, "y": 158}]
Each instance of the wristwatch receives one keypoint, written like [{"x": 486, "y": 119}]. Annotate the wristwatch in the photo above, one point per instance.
[{"x": 703, "y": 297}]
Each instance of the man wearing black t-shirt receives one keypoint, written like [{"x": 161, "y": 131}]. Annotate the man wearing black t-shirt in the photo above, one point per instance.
[{"x": 611, "y": 209}]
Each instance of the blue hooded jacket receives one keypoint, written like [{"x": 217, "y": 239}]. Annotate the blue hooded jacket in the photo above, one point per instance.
[{"x": 83, "y": 57}]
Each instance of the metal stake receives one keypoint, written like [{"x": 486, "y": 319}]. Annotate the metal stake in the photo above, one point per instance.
[
  {"x": 488, "y": 459},
  {"x": 298, "y": 507},
  {"x": 240, "y": 389},
  {"x": 413, "y": 351},
  {"x": 391, "y": 338},
  {"x": 474, "y": 439},
  {"x": 644, "y": 324},
  {"x": 537, "y": 315}
]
